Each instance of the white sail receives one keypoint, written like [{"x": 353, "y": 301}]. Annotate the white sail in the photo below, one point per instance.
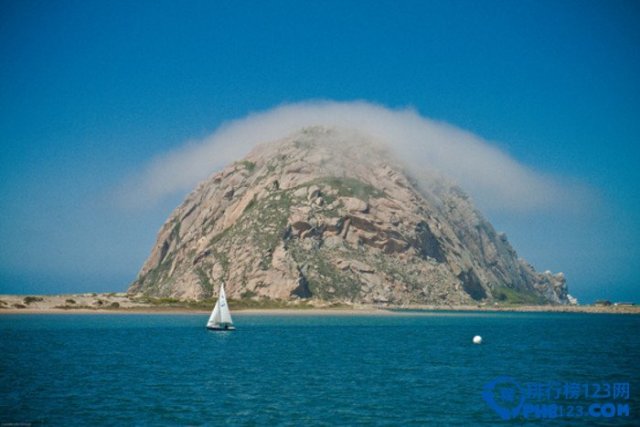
[
  {"x": 214, "y": 319},
  {"x": 225, "y": 314},
  {"x": 220, "y": 316}
]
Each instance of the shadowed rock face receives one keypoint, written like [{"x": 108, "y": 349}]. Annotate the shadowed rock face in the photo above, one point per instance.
[{"x": 327, "y": 214}]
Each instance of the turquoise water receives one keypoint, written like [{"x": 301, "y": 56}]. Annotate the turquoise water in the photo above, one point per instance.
[{"x": 307, "y": 370}]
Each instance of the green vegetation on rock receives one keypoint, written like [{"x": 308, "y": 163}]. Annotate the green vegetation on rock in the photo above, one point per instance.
[
  {"x": 509, "y": 296},
  {"x": 349, "y": 187},
  {"x": 248, "y": 165}
]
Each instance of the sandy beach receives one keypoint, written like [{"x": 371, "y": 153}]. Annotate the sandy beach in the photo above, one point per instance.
[{"x": 120, "y": 303}]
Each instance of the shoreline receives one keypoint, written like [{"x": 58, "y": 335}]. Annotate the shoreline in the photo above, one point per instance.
[
  {"x": 318, "y": 311},
  {"x": 122, "y": 303}
]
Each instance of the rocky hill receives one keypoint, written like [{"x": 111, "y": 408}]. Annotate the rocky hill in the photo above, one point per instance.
[{"x": 328, "y": 214}]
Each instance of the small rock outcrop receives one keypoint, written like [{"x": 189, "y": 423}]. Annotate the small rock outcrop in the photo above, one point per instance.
[{"x": 328, "y": 214}]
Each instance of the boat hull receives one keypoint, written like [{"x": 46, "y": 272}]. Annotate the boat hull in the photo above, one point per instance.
[{"x": 221, "y": 328}]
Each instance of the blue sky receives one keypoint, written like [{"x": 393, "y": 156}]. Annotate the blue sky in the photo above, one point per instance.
[{"x": 91, "y": 92}]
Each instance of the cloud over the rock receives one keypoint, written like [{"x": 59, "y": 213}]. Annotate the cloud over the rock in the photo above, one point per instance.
[{"x": 494, "y": 179}]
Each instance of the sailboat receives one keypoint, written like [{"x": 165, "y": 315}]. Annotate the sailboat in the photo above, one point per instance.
[{"x": 220, "y": 319}]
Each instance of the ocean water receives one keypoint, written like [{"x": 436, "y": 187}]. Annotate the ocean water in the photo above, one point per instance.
[{"x": 411, "y": 370}]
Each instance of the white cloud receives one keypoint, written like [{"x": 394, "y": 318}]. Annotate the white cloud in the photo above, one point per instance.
[{"x": 494, "y": 179}]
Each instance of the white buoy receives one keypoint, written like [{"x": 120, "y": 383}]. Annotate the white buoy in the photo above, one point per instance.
[{"x": 477, "y": 339}]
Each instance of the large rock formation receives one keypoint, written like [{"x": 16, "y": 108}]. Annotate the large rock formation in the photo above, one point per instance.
[{"x": 330, "y": 215}]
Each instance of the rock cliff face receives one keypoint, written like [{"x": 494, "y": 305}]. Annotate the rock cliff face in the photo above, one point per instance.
[{"x": 328, "y": 214}]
